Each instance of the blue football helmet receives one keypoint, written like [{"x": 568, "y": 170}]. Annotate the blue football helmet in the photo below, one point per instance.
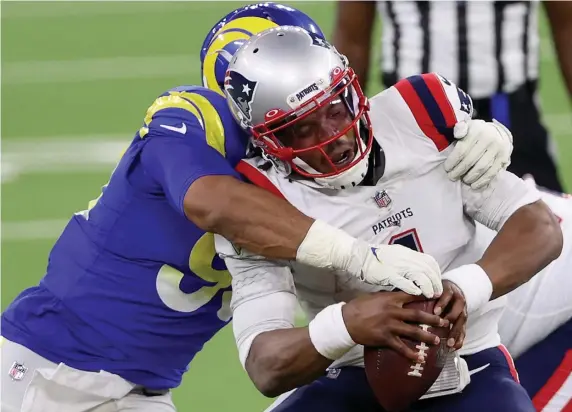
[{"x": 234, "y": 29}]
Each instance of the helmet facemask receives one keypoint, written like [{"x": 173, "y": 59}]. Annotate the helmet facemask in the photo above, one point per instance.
[{"x": 337, "y": 159}]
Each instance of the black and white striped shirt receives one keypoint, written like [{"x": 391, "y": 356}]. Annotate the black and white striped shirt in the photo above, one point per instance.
[{"x": 486, "y": 47}]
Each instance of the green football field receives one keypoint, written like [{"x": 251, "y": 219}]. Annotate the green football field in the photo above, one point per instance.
[{"x": 76, "y": 81}]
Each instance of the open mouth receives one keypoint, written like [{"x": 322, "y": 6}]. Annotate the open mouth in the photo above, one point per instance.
[{"x": 343, "y": 158}]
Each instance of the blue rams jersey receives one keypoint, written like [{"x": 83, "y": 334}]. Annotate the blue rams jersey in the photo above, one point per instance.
[{"x": 132, "y": 286}]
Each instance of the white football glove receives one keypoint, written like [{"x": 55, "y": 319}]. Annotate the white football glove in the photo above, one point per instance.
[
  {"x": 388, "y": 266},
  {"x": 483, "y": 150},
  {"x": 396, "y": 266}
]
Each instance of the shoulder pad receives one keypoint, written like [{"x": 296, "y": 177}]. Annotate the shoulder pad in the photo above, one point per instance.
[
  {"x": 436, "y": 104},
  {"x": 196, "y": 108}
]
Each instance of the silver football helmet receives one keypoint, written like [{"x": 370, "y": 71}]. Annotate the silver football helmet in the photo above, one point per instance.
[{"x": 284, "y": 75}]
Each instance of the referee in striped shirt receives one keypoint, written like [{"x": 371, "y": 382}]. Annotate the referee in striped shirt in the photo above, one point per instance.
[{"x": 489, "y": 48}]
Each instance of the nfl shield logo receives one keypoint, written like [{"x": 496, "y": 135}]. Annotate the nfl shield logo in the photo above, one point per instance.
[
  {"x": 333, "y": 373},
  {"x": 382, "y": 198},
  {"x": 17, "y": 371}
]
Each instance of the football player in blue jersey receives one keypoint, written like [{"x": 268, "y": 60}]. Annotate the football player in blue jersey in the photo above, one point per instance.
[{"x": 133, "y": 288}]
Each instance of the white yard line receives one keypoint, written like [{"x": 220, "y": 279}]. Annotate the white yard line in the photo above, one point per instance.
[
  {"x": 32, "y": 230},
  {"x": 90, "y": 9},
  {"x": 57, "y": 155},
  {"x": 112, "y": 68}
]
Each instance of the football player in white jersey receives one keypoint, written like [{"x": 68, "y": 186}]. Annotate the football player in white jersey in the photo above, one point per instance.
[
  {"x": 314, "y": 128},
  {"x": 536, "y": 324}
]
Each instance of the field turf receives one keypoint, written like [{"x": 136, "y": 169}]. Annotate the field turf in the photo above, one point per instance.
[{"x": 77, "y": 78}]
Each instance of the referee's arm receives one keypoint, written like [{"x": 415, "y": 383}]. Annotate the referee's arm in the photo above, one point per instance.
[
  {"x": 560, "y": 17},
  {"x": 352, "y": 34}
]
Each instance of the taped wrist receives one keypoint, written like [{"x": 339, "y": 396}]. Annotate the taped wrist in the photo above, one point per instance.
[
  {"x": 329, "y": 248},
  {"x": 329, "y": 334},
  {"x": 474, "y": 283}
]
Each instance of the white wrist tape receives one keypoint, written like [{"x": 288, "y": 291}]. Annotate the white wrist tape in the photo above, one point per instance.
[
  {"x": 327, "y": 247},
  {"x": 474, "y": 283},
  {"x": 329, "y": 334}
]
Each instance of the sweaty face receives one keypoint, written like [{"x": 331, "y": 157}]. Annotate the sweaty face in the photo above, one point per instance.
[{"x": 318, "y": 127}]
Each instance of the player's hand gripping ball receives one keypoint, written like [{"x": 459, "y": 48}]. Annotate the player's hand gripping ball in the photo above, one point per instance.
[{"x": 397, "y": 381}]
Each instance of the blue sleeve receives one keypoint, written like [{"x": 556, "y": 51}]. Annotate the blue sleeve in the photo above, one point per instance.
[
  {"x": 175, "y": 163},
  {"x": 188, "y": 136}
]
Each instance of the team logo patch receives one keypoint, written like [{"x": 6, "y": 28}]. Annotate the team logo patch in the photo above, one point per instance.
[
  {"x": 17, "y": 371},
  {"x": 333, "y": 373},
  {"x": 241, "y": 91},
  {"x": 382, "y": 198},
  {"x": 319, "y": 41}
]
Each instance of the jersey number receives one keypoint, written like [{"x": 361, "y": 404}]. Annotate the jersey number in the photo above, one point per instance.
[
  {"x": 409, "y": 239},
  {"x": 200, "y": 263}
]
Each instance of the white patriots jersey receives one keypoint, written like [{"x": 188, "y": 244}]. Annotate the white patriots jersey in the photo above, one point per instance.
[
  {"x": 414, "y": 204},
  {"x": 543, "y": 304}
]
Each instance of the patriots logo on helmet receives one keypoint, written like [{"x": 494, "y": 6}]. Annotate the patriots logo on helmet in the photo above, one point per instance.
[
  {"x": 241, "y": 90},
  {"x": 319, "y": 41}
]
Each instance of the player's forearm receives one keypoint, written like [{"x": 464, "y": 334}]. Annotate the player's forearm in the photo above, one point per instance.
[
  {"x": 529, "y": 240},
  {"x": 248, "y": 216},
  {"x": 560, "y": 16},
  {"x": 284, "y": 359},
  {"x": 352, "y": 34}
]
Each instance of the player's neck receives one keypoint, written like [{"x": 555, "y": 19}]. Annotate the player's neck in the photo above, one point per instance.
[{"x": 376, "y": 167}]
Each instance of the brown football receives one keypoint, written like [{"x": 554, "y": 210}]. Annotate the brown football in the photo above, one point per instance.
[{"x": 398, "y": 382}]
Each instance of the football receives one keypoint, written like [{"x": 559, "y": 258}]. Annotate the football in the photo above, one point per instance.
[{"x": 397, "y": 381}]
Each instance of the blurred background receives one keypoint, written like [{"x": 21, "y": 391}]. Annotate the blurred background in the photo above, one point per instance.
[{"x": 77, "y": 78}]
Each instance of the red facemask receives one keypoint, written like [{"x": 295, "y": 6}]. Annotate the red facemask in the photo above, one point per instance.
[{"x": 345, "y": 86}]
